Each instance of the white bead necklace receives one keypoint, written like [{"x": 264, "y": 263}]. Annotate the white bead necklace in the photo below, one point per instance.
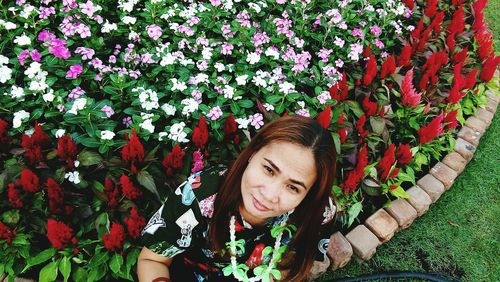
[{"x": 232, "y": 246}]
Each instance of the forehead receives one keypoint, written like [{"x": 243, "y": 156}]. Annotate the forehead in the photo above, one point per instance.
[{"x": 296, "y": 161}]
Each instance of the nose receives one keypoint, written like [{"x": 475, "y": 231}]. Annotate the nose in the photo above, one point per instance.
[{"x": 271, "y": 192}]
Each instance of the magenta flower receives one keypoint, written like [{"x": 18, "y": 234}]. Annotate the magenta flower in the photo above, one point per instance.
[
  {"x": 154, "y": 31},
  {"x": 44, "y": 35},
  {"x": 375, "y": 30},
  {"x": 108, "y": 110},
  {"x": 74, "y": 71},
  {"x": 22, "y": 57},
  {"x": 35, "y": 56},
  {"x": 60, "y": 51}
]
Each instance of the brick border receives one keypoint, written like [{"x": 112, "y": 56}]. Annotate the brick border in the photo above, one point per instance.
[{"x": 363, "y": 240}]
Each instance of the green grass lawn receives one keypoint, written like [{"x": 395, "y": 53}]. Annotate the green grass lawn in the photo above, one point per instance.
[{"x": 460, "y": 235}]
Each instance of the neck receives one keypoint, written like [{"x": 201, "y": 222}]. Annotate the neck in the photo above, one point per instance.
[{"x": 249, "y": 218}]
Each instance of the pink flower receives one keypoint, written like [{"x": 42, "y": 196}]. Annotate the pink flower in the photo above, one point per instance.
[
  {"x": 198, "y": 163},
  {"x": 74, "y": 71},
  {"x": 215, "y": 113},
  {"x": 60, "y": 51},
  {"x": 375, "y": 30},
  {"x": 154, "y": 31},
  {"x": 227, "y": 48},
  {"x": 107, "y": 110}
]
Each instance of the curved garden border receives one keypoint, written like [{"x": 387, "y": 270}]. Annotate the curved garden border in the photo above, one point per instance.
[{"x": 362, "y": 241}]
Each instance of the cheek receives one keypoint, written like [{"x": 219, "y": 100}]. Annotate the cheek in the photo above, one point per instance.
[{"x": 290, "y": 200}]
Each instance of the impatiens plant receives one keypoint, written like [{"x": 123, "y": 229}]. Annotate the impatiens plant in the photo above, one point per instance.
[{"x": 106, "y": 106}]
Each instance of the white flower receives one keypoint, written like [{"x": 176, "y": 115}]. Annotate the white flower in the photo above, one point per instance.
[
  {"x": 201, "y": 78},
  {"x": 242, "y": 123},
  {"x": 242, "y": 79},
  {"x": 9, "y": 26},
  {"x": 59, "y": 133},
  {"x": 255, "y": 7},
  {"x": 3, "y": 60},
  {"x": 17, "y": 92},
  {"x": 286, "y": 87},
  {"x": 73, "y": 177},
  {"x": 161, "y": 135},
  {"x": 78, "y": 104},
  {"x": 167, "y": 59},
  {"x": 178, "y": 85},
  {"x": 5, "y": 73},
  {"x": 19, "y": 117},
  {"x": 33, "y": 69},
  {"x": 228, "y": 92},
  {"x": 207, "y": 53},
  {"x": 259, "y": 81},
  {"x": 108, "y": 27},
  {"x": 148, "y": 125},
  {"x": 253, "y": 58},
  {"x": 26, "y": 12},
  {"x": 107, "y": 135},
  {"x": 190, "y": 105},
  {"x": 22, "y": 40},
  {"x": 76, "y": 163},
  {"x": 268, "y": 107},
  {"x": 177, "y": 133},
  {"x": 272, "y": 52},
  {"x": 220, "y": 67},
  {"x": 49, "y": 96},
  {"x": 169, "y": 109},
  {"x": 148, "y": 98},
  {"x": 129, "y": 20}
]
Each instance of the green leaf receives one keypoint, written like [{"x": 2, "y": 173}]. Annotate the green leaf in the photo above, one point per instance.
[
  {"x": 146, "y": 180},
  {"x": 377, "y": 124},
  {"x": 88, "y": 158},
  {"x": 43, "y": 256},
  {"x": 399, "y": 193},
  {"x": 80, "y": 275},
  {"x": 48, "y": 272},
  {"x": 115, "y": 263},
  {"x": 65, "y": 268},
  {"x": 244, "y": 103},
  {"x": 273, "y": 99},
  {"x": 353, "y": 212}
]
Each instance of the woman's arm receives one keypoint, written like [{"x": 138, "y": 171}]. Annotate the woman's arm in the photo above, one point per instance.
[{"x": 151, "y": 265}]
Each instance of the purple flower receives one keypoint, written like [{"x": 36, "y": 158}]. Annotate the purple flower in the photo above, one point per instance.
[
  {"x": 23, "y": 56},
  {"x": 215, "y": 113},
  {"x": 198, "y": 163},
  {"x": 86, "y": 53},
  {"x": 357, "y": 32},
  {"x": 154, "y": 31},
  {"x": 75, "y": 93},
  {"x": 112, "y": 59},
  {"x": 256, "y": 120},
  {"x": 375, "y": 30},
  {"x": 303, "y": 112},
  {"x": 227, "y": 48},
  {"x": 35, "y": 56},
  {"x": 107, "y": 110},
  {"x": 127, "y": 121},
  {"x": 74, "y": 71},
  {"x": 44, "y": 35},
  {"x": 260, "y": 38},
  {"x": 45, "y": 12},
  {"x": 324, "y": 53},
  {"x": 379, "y": 44}
]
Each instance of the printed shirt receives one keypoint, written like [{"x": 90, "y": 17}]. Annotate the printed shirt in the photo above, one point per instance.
[{"x": 181, "y": 226}]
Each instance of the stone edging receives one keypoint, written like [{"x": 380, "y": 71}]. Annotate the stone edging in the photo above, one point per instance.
[{"x": 362, "y": 242}]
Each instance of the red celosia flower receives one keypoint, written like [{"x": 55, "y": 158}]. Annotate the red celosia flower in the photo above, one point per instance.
[
  {"x": 451, "y": 42},
  {"x": 112, "y": 193},
  {"x": 437, "y": 22},
  {"x": 371, "y": 71},
  {"x": 133, "y": 152},
  {"x": 367, "y": 51},
  {"x": 488, "y": 68},
  {"x": 369, "y": 106},
  {"x": 404, "y": 56},
  {"x": 231, "y": 130},
  {"x": 130, "y": 191},
  {"x": 410, "y": 97},
  {"x": 173, "y": 160},
  {"x": 431, "y": 8},
  {"x": 114, "y": 240},
  {"x": 418, "y": 30},
  {"x": 339, "y": 91},
  {"x": 432, "y": 65},
  {"x": 458, "y": 78},
  {"x": 470, "y": 79},
  {"x": 55, "y": 194},
  {"x": 200, "y": 133},
  {"x": 388, "y": 67},
  {"x": 479, "y": 24},
  {"x": 386, "y": 162},
  {"x": 39, "y": 137},
  {"x": 4, "y": 126},
  {"x": 134, "y": 223},
  {"x": 14, "y": 196},
  {"x": 457, "y": 22},
  {"x": 454, "y": 95},
  {"x": 358, "y": 173},
  {"x": 459, "y": 57},
  {"x": 457, "y": 2},
  {"x": 29, "y": 181},
  {"x": 485, "y": 44},
  {"x": 33, "y": 145},
  {"x": 342, "y": 131},
  {"x": 428, "y": 132},
  {"x": 66, "y": 150},
  {"x": 59, "y": 234},
  {"x": 324, "y": 118},
  {"x": 7, "y": 233},
  {"x": 409, "y": 3},
  {"x": 360, "y": 126},
  {"x": 450, "y": 119},
  {"x": 403, "y": 154}
]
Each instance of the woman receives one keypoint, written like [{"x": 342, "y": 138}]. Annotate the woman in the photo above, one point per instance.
[{"x": 262, "y": 223}]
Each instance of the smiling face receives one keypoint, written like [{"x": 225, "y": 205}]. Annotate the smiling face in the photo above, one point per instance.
[{"x": 276, "y": 180}]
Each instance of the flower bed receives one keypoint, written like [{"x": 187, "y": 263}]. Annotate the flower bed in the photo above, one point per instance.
[{"x": 106, "y": 106}]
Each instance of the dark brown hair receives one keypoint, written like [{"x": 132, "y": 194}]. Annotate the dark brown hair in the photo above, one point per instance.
[{"x": 308, "y": 215}]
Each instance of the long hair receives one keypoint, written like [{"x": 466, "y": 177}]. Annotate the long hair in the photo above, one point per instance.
[{"x": 308, "y": 215}]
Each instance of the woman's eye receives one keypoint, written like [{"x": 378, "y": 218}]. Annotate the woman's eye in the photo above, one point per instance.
[
  {"x": 293, "y": 188},
  {"x": 268, "y": 169}
]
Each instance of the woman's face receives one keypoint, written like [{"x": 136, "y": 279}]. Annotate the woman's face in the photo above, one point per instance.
[{"x": 276, "y": 180}]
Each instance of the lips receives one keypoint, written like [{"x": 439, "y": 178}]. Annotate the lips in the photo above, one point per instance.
[{"x": 259, "y": 206}]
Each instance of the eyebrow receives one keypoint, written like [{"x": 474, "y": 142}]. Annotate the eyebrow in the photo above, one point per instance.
[{"x": 279, "y": 171}]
